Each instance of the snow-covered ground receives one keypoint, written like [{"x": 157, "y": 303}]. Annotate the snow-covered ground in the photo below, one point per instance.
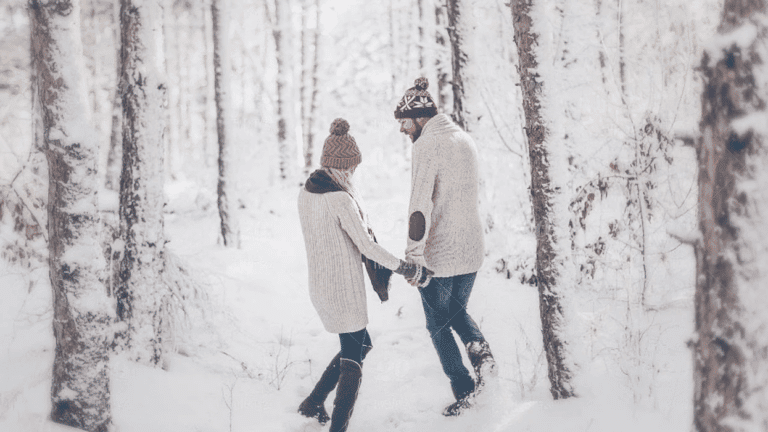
[{"x": 263, "y": 347}]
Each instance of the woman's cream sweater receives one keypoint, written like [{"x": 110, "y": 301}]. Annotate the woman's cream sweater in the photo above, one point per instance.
[{"x": 335, "y": 237}]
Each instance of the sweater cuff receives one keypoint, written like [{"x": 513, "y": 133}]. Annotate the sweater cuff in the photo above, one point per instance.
[{"x": 416, "y": 259}]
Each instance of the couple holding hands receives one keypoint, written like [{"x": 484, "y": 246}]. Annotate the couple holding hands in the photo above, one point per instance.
[{"x": 445, "y": 250}]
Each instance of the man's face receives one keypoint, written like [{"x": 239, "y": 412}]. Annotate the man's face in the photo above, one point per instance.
[{"x": 410, "y": 127}]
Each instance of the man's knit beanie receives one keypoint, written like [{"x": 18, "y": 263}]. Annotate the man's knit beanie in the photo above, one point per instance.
[
  {"x": 340, "y": 150},
  {"x": 417, "y": 102}
]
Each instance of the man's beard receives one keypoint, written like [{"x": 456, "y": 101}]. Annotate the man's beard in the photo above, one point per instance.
[{"x": 416, "y": 134}]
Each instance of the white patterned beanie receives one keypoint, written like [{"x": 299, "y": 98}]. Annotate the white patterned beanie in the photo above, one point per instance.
[
  {"x": 340, "y": 149},
  {"x": 417, "y": 102}
]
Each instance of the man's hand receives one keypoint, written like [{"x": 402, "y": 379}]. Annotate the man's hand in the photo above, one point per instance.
[{"x": 415, "y": 274}]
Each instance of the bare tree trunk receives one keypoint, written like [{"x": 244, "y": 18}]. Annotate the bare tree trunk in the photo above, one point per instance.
[
  {"x": 209, "y": 48},
  {"x": 601, "y": 56},
  {"x": 313, "y": 89},
  {"x": 282, "y": 46},
  {"x": 141, "y": 296},
  {"x": 219, "y": 18},
  {"x": 442, "y": 60},
  {"x": 112, "y": 180},
  {"x": 622, "y": 61},
  {"x": 549, "y": 247},
  {"x": 80, "y": 393},
  {"x": 458, "y": 59},
  {"x": 112, "y": 170},
  {"x": 730, "y": 383},
  {"x": 303, "y": 87},
  {"x": 422, "y": 39},
  {"x": 174, "y": 41},
  {"x": 392, "y": 45}
]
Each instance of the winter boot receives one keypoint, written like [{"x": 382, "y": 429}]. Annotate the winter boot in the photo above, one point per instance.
[
  {"x": 346, "y": 395},
  {"x": 463, "y": 392},
  {"x": 479, "y": 353},
  {"x": 314, "y": 405},
  {"x": 457, "y": 408}
]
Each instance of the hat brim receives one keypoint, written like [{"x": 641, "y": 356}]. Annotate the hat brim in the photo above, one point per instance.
[{"x": 416, "y": 113}]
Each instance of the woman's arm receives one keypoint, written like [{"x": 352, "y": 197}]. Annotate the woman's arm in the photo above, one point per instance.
[{"x": 352, "y": 223}]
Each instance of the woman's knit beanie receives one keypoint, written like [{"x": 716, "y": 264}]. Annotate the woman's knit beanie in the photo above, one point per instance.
[{"x": 340, "y": 150}]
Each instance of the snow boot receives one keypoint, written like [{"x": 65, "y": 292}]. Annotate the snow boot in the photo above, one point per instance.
[
  {"x": 349, "y": 384},
  {"x": 479, "y": 353},
  {"x": 314, "y": 405},
  {"x": 457, "y": 408},
  {"x": 463, "y": 392}
]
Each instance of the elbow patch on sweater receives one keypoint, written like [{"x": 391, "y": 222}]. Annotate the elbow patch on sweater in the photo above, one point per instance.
[{"x": 416, "y": 226}]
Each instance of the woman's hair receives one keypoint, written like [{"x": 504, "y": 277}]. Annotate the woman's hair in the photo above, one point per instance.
[{"x": 343, "y": 177}]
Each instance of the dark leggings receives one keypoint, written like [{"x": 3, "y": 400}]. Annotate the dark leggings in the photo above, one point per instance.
[{"x": 353, "y": 345}]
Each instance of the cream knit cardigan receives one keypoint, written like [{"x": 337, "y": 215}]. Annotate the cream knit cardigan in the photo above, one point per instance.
[
  {"x": 335, "y": 237},
  {"x": 444, "y": 188}
]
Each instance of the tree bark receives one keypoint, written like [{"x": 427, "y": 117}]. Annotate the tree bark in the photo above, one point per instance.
[
  {"x": 421, "y": 40},
  {"x": 311, "y": 114},
  {"x": 114, "y": 154},
  {"x": 392, "y": 45},
  {"x": 140, "y": 293},
  {"x": 549, "y": 247},
  {"x": 622, "y": 61},
  {"x": 442, "y": 59},
  {"x": 303, "y": 87},
  {"x": 112, "y": 180},
  {"x": 282, "y": 46},
  {"x": 80, "y": 393},
  {"x": 219, "y": 18},
  {"x": 458, "y": 59},
  {"x": 730, "y": 384}
]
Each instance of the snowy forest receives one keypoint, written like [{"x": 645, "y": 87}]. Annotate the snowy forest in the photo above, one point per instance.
[{"x": 153, "y": 273}]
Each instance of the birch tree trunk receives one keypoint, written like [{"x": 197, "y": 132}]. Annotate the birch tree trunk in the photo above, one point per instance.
[
  {"x": 140, "y": 293},
  {"x": 730, "y": 361},
  {"x": 115, "y": 151},
  {"x": 80, "y": 393},
  {"x": 551, "y": 247},
  {"x": 303, "y": 86},
  {"x": 442, "y": 57},
  {"x": 422, "y": 39},
  {"x": 312, "y": 90},
  {"x": 458, "y": 58},
  {"x": 282, "y": 47},
  {"x": 392, "y": 45},
  {"x": 219, "y": 18},
  {"x": 112, "y": 176}
]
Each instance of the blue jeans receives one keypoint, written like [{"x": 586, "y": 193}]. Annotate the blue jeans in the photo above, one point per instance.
[
  {"x": 445, "y": 307},
  {"x": 353, "y": 345}
]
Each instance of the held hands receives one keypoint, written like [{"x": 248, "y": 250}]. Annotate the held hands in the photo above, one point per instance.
[{"x": 416, "y": 275}]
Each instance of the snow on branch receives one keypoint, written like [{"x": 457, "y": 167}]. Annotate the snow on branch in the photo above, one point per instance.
[{"x": 691, "y": 238}]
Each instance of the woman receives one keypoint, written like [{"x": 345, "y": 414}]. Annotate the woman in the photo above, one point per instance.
[{"x": 338, "y": 240}]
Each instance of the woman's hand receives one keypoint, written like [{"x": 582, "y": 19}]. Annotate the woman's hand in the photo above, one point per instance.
[{"x": 416, "y": 275}]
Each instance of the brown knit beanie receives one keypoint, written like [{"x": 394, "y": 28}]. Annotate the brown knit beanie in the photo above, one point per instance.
[
  {"x": 417, "y": 102},
  {"x": 340, "y": 149}
]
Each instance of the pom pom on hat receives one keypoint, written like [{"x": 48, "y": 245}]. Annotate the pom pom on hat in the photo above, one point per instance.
[
  {"x": 421, "y": 83},
  {"x": 339, "y": 127}
]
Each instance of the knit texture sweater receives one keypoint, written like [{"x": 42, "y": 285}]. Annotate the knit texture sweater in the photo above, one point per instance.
[
  {"x": 444, "y": 189},
  {"x": 335, "y": 237}
]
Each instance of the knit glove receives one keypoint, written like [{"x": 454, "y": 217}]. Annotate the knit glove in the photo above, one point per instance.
[{"x": 415, "y": 274}]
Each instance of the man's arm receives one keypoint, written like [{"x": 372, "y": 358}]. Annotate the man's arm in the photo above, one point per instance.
[{"x": 423, "y": 178}]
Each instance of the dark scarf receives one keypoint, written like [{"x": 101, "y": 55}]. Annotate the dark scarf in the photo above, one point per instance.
[{"x": 319, "y": 182}]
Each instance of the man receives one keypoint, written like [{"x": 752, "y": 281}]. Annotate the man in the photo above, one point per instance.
[{"x": 445, "y": 235}]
